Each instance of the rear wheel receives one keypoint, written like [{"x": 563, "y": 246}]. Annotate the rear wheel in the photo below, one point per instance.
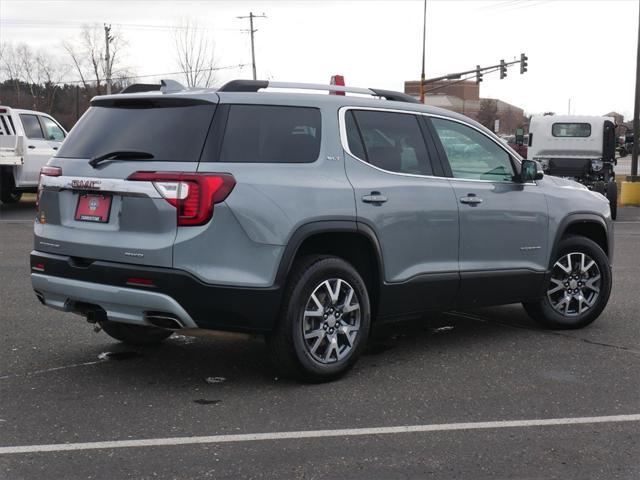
[
  {"x": 7, "y": 190},
  {"x": 578, "y": 288},
  {"x": 135, "y": 334},
  {"x": 325, "y": 320}
]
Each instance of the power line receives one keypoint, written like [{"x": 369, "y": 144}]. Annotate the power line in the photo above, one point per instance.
[
  {"x": 73, "y": 25},
  {"x": 227, "y": 67}
]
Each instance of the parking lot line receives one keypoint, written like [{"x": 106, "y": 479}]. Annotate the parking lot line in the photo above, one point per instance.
[{"x": 252, "y": 437}]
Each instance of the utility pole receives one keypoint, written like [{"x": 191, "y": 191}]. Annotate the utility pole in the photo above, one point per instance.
[
  {"x": 424, "y": 39},
  {"x": 636, "y": 113},
  {"x": 107, "y": 58},
  {"x": 251, "y": 32}
]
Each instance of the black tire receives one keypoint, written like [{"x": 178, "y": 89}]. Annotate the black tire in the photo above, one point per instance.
[
  {"x": 137, "y": 335},
  {"x": 7, "y": 190},
  {"x": 288, "y": 349},
  {"x": 612, "y": 196},
  {"x": 542, "y": 310},
  {"x": 599, "y": 187}
]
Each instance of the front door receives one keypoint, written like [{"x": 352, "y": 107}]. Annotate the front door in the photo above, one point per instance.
[
  {"x": 503, "y": 223},
  {"x": 37, "y": 151},
  {"x": 413, "y": 213}
]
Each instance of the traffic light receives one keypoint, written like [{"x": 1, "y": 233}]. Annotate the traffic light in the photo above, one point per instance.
[
  {"x": 503, "y": 69},
  {"x": 523, "y": 63},
  {"x": 478, "y": 74}
]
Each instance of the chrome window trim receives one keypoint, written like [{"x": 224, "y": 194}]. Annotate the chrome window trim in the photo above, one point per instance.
[
  {"x": 108, "y": 185},
  {"x": 345, "y": 145}
]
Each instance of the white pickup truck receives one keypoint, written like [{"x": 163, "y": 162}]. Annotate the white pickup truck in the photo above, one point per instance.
[{"x": 27, "y": 140}]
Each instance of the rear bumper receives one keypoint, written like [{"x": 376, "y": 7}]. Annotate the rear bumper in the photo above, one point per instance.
[{"x": 69, "y": 284}]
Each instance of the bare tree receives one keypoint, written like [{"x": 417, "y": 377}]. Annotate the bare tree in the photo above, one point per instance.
[
  {"x": 194, "y": 54},
  {"x": 11, "y": 67},
  {"x": 51, "y": 70},
  {"x": 89, "y": 55}
]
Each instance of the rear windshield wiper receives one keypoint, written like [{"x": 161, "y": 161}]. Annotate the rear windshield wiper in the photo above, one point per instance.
[{"x": 120, "y": 155}]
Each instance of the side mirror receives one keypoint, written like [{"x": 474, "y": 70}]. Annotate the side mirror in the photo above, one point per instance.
[{"x": 531, "y": 170}]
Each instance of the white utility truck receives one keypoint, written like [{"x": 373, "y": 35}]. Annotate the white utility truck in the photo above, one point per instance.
[
  {"x": 581, "y": 148},
  {"x": 27, "y": 140}
]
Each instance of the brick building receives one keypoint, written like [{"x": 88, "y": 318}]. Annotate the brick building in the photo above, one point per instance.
[{"x": 464, "y": 98}]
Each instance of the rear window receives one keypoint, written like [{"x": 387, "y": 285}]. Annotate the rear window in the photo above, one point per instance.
[
  {"x": 170, "y": 131},
  {"x": 271, "y": 134},
  {"x": 571, "y": 130}
]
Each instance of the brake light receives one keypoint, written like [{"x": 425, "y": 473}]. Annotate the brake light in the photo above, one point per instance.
[
  {"x": 51, "y": 171},
  {"x": 193, "y": 194},
  {"x": 47, "y": 172}
]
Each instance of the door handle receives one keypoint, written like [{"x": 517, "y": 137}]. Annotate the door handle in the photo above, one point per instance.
[
  {"x": 31, "y": 146},
  {"x": 55, "y": 148},
  {"x": 471, "y": 199},
  {"x": 374, "y": 197}
]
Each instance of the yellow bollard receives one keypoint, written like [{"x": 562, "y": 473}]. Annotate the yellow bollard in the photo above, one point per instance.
[{"x": 630, "y": 194}]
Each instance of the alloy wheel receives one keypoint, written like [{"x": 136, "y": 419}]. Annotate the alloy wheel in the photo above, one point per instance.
[
  {"x": 331, "y": 321},
  {"x": 574, "y": 284}
]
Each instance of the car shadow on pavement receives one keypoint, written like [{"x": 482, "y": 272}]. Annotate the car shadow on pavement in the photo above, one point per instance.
[
  {"x": 183, "y": 361},
  {"x": 23, "y": 210}
]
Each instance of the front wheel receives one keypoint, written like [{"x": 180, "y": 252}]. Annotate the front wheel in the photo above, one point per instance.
[
  {"x": 137, "y": 335},
  {"x": 324, "y": 322},
  {"x": 578, "y": 287}
]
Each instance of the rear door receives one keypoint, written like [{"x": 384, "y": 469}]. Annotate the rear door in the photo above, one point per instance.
[
  {"x": 96, "y": 212},
  {"x": 413, "y": 213}
]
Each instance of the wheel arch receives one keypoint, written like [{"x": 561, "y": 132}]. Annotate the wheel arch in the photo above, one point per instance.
[
  {"x": 588, "y": 225},
  {"x": 346, "y": 239}
]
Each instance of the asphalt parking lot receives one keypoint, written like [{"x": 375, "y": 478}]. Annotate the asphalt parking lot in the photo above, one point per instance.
[{"x": 187, "y": 409}]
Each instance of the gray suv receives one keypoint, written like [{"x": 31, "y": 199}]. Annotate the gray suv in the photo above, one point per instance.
[{"x": 305, "y": 217}]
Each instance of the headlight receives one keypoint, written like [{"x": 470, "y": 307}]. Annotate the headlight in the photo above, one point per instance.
[{"x": 596, "y": 165}]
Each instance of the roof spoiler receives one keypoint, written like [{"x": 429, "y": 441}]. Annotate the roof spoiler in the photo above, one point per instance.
[
  {"x": 165, "y": 86},
  {"x": 255, "y": 85}
]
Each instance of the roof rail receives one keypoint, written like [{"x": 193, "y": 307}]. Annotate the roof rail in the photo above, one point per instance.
[{"x": 255, "y": 85}]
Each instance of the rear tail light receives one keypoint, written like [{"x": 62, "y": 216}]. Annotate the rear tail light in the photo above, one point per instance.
[
  {"x": 46, "y": 171},
  {"x": 193, "y": 194}
]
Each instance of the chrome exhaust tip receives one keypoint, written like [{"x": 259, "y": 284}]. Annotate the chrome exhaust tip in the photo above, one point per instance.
[{"x": 164, "y": 320}]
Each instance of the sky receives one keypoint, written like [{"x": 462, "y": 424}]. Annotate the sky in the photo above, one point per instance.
[{"x": 582, "y": 51}]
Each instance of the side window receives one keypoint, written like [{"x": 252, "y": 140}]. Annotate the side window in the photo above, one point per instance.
[
  {"x": 271, "y": 134},
  {"x": 31, "y": 126},
  {"x": 471, "y": 154},
  {"x": 392, "y": 141},
  {"x": 52, "y": 130}
]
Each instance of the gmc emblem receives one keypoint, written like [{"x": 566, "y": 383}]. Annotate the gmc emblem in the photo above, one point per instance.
[{"x": 85, "y": 184}]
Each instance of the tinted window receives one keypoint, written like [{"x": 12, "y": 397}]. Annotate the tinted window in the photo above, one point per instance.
[
  {"x": 52, "y": 130},
  {"x": 31, "y": 126},
  {"x": 353, "y": 136},
  {"x": 471, "y": 154},
  {"x": 571, "y": 130},
  {"x": 271, "y": 134},
  {"x": 169, "y": 131},
  {"x": 392, "y": 141}
]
